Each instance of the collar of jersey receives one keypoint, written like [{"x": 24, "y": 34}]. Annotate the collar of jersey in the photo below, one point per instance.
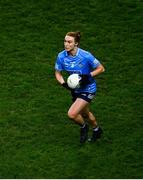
[{"x": 66, "y": 53}]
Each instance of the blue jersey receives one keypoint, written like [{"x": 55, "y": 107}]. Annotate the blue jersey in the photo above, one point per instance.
[{"x": 82, "y": 63}]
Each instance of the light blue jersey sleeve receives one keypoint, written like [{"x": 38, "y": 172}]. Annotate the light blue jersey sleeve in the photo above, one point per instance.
[
  {"x": 58, "y": 64},
  {"x": 94, "y": 63}
]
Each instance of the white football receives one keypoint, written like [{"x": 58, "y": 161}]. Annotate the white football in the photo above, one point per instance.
[{"x": 73, "y": 81}]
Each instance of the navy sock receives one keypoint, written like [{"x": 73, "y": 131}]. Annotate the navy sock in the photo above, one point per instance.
[
  {"x": 96, "y": 128},
  {"x": 83, "y": 125}
]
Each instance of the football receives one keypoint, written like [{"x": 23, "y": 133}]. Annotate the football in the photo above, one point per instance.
[{"x": 73, "y": 81}]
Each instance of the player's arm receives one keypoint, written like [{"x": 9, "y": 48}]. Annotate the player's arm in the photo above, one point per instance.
[
  {"x": 60, "y": 79},
  {"x": 99, "y": 69},
  {"x": 86, "y": 77}
]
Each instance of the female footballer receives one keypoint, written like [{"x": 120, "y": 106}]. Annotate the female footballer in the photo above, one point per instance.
[{"x": 76, "y": 60}]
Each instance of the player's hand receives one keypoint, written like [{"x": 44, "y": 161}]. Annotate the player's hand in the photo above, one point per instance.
[
  {"x": 65, "y": 85},
  {"x": 85, "y": 79}
]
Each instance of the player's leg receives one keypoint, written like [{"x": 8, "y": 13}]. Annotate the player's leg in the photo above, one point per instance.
[
  {"x": 75, "y": 110},
  {"x": 87, "y": 114},
  {"x": 74, "y": 113},
  {"x": 97, "y": 131}
]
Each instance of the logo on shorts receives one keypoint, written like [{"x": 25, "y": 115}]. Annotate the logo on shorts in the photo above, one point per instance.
[{"x": 90, "y": 96}]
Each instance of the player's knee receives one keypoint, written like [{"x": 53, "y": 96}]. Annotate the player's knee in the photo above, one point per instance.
[{"x": 72, "y": 115}]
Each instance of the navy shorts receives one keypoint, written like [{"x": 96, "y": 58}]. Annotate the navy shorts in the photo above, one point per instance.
[{"x": 83, "y": 95}]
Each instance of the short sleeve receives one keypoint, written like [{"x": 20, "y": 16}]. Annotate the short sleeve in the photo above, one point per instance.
[
  {"x": 58, "y": 64},
  {"x": 93, "y": 61}
]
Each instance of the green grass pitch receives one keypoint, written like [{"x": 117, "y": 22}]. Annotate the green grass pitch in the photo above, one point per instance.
[{"x": 37, "y": 140}]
